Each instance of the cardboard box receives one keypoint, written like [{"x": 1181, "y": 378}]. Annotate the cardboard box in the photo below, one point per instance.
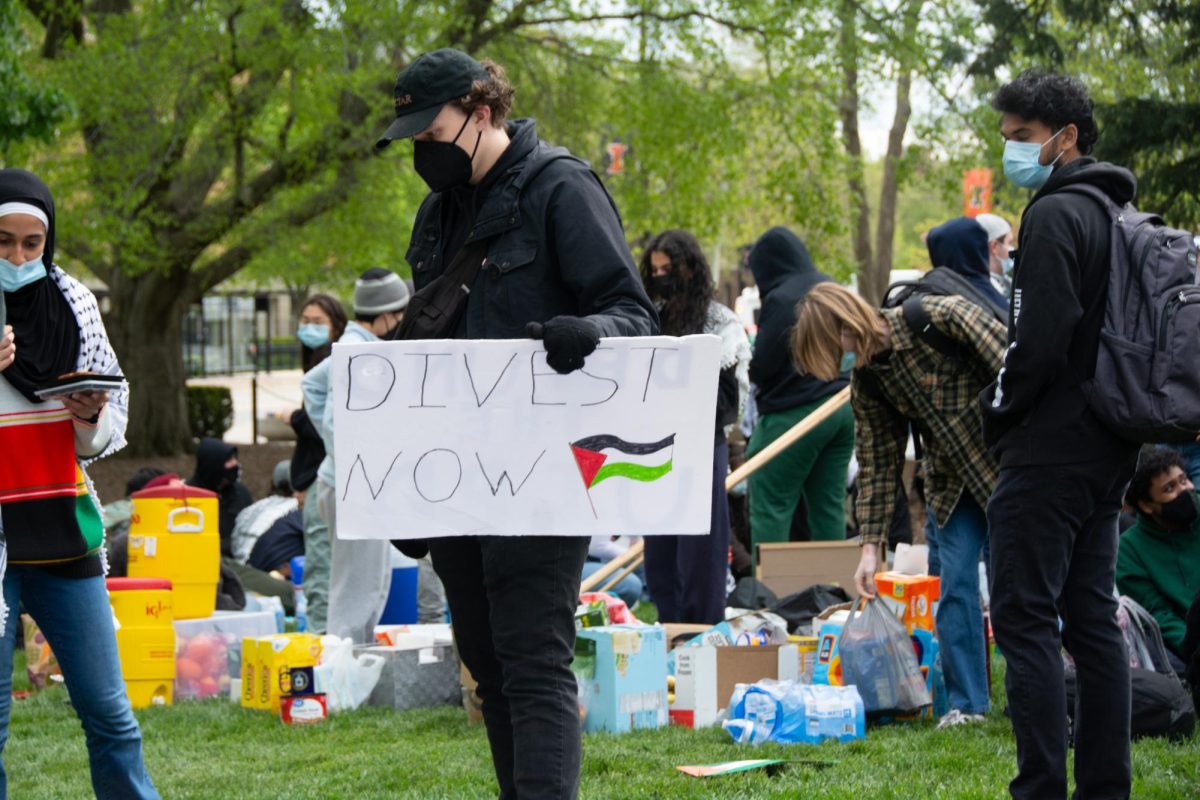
[
  {"x": 705, "y": 677},
  {"x": 678, "y": 633},
  {"x": 788, "y": 567},
  {"x": 912, "y": 598},
  {"x": 267, "y": 664},
  {"x": 470, "y": 696},
  {"x": 416, "y": 678},
  {"x": 622, "y": 675}
]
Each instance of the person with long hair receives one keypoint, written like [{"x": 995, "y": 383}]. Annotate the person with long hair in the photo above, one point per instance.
[
  {"x": 686, "y": 574},
  {"x": 51, "y": 531},
  {"x": 322, "y": 322},
  {"x": 901, "y": 379},
  {"x": 813, "y": 469}
]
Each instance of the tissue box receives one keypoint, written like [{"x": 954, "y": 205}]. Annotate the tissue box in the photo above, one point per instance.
[
  {"x": 705, "y": 677},
  {"x": 912, "y": 598},
  {"x": 622, "y": 675},
  {"x": 416, "y": 677}
]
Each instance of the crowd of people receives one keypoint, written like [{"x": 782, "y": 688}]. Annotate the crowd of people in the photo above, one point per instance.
[{"x": 986, "y": 382}]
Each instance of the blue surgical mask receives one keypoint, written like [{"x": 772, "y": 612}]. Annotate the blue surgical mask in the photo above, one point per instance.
[
  {"x": 847, "y": 362},
  {"x": 1021, "y": 164},
  {"x": 313, "y": 335},
  {"x": 13, "y": 277},
  {"x": 1006, "y": 264}
]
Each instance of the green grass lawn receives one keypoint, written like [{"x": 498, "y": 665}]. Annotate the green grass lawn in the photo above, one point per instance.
[{"x": 214, "y": 749}]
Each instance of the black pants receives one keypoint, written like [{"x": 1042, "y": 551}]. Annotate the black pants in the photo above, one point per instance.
[
  {"x": 686, "y": 574},
  {"x": 512, "y": 602},
  {"x": 1054, "y": 554}
]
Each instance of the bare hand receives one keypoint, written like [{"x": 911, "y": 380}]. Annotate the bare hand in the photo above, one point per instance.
[
  {"x": 85, "y": 405},
  {"x": 864, "y": 576},
  {"x": 8, "y": 348},
  {"x": 284, "y": 416}
]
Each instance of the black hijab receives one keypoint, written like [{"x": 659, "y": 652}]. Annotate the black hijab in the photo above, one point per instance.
[{"x": 43, "y": 323}]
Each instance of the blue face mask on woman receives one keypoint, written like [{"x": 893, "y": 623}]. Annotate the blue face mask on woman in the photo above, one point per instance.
[
  {"x": 313, "y": 335},
  {"x": 14, "y": 277},
  {"x": 1022, "y": 165}
]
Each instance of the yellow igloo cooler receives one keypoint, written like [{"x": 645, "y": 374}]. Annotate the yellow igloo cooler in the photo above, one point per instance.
[
  {"x": 146, "y": 638},
  {"x": 174, "y": 534}
]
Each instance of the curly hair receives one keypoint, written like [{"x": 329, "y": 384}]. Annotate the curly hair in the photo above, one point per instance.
[
  {"x": 496, "y": 93},
  {"x": 685, "y": 309},
  {"x": 1152, "y": 462},
  {"x": 1057, "y": 100}
]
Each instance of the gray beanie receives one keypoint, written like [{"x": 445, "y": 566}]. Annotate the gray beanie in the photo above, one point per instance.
[
  {"x": 379, "y": 294},
  {"x": 281, "y": 477},
  {"x": 995, "y": 226}
]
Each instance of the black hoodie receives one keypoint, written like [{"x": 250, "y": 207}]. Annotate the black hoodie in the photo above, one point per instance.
[
  {"x": 233, "y": 496},
  {"x": 1036, "y": 412},
  {"x": 784, "y": 273},
  {"x": 962, "y": 245}
]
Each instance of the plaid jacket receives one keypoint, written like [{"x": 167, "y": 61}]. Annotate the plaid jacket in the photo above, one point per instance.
[{"x": 940, "y": 394}]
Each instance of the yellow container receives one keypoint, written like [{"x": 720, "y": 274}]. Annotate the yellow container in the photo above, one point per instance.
[
  {"x": 146, "y": 639},
  {"x": 174, "y": 534}
]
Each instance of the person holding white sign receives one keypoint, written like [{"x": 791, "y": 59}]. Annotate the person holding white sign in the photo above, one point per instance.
[
  {"x": 532, "y": 233},
  {"x": 686, "y": 575}
]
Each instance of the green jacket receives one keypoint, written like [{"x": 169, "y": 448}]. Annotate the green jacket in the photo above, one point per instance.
[{"x": 1161, "y": 571}]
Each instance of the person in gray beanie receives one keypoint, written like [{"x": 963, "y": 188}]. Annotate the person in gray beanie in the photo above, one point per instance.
[
  {"x": 1000, "y": 245},
  {"x": 359, "y": 572}
]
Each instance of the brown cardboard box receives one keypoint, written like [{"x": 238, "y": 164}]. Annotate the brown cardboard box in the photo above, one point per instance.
[
  {"x": 705, "y": 677},
  {"x": 788, "y": 567},
  {"x": 470, "y": 697},
  {"x": 677, "y": 633}
]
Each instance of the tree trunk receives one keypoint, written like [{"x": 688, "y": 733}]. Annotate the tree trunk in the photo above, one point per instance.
[
  {"x": 859, "y": 207},
  {"x": 146, "y": 330},
  {"x": 885, "y": 228}
]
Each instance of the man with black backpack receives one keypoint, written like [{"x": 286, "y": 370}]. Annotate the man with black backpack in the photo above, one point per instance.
[
  {"x": 1053, "y": 516},
  {"x": 534, "y": 242}
]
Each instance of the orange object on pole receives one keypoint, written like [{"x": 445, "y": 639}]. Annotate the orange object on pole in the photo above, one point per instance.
[{"x": 977, "y": 192}]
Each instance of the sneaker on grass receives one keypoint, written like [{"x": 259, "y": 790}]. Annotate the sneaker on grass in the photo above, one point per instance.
[{"x": 956, "y": 717}]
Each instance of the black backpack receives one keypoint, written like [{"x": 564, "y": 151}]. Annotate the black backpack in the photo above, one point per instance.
[{"x": 1146, "y": 387}]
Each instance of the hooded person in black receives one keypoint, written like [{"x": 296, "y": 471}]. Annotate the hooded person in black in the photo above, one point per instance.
[
  {"x": 813, "y": 469},
  {"x": 1053, "y": 515},
  {"x": 218, "y": 470},
  {"x": 962, "y": 245}
]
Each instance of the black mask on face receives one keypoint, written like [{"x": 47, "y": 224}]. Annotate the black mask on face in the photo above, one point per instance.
[
  {"x": 1182, "y": 511},
  {"x": 663, "y": 285},
  {"x": 231, "y": 474},
  {"x": 444, "y": 165}
]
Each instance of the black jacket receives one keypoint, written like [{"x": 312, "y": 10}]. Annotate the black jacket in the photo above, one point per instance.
[
  {"x": 1036, "y": 412},
  {"x": 557, "y": 246},
  {"x": 962, "y": 245},
  {"x": 309, "y": 452},
  {"x": 783, "y": 272},
  {"x": 232, "y": 496}
]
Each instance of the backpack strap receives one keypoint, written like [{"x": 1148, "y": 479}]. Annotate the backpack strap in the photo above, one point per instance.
[{"x": 921, "y": 324}]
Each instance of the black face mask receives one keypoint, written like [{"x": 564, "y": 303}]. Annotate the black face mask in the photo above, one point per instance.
[
  {"x": 663, "y": 285},
  {"x": 231, "y": 475},
  {"x": 1182, "y": 511},
  {"x": 444, "y": 165}
]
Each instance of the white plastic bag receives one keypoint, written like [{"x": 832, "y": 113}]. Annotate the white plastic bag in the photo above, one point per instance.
[{"x": 345, "y": 680}]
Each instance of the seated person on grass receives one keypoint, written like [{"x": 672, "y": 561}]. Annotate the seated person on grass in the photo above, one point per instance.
[{"x": 1158, "y": 563}]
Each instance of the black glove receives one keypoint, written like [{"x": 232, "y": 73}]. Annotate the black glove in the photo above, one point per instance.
[{"x": 568, "y": 340}]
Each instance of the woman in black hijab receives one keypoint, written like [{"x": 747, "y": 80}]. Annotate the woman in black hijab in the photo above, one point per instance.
[{"x": 49, "y": 516}]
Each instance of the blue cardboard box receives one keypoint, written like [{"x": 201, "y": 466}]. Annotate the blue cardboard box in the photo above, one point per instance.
[{"x": 622, "y": 675}]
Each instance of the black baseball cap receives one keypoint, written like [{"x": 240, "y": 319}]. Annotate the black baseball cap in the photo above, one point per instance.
[{"x": 427, "y": 84}]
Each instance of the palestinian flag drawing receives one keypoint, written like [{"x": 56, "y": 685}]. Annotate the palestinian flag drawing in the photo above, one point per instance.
[{"x": 639, "y": 461}]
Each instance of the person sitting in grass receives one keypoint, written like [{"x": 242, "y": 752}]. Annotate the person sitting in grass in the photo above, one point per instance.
[{"x": 1158, "y": 559}]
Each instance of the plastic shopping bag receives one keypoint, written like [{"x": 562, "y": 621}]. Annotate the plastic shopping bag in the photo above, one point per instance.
[
  {"x": 344, "y": 678},
  {"x": 790, "y": 713},
  {"x": 878, "y": 657}
]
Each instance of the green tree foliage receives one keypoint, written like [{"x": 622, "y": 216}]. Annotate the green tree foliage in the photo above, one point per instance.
[
  {"x": 1141, "y": 59},
  {"x": 30, "y": 111}
]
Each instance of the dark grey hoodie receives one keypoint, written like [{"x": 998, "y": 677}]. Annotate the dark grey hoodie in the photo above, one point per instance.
[{"x": 784, "y": 273}]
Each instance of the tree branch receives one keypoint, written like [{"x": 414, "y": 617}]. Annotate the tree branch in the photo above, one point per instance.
[{"x": 679, "y": 16}]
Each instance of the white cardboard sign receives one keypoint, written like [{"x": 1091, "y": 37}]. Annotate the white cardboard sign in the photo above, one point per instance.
[{"x": 458, "y": 437}]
